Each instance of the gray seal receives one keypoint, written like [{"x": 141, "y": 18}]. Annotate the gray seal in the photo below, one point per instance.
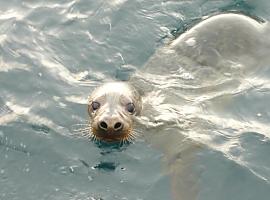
[
  {"x": 206, "y": 60},
  {"x": 220, "y": 43}
]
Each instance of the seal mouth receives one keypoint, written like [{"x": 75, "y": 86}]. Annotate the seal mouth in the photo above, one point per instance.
[{"x": 112, "y": 136}]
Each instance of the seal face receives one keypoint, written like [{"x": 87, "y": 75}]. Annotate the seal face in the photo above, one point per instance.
[{"x": 111, "y": 109}]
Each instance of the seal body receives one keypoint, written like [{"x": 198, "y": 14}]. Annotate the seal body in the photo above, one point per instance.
[
  {"x": 221, "y": 42},
  {"x": 217, "y": 46},
  {"x": 181, "y": 82},
  {"x": 111, "y": 109},
  {"x": 191, "y": 78}
]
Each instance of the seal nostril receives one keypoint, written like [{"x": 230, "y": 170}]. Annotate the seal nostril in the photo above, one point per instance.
[
  {"x": 103, "y": 125},
  {"x": 118, "y": 126}
]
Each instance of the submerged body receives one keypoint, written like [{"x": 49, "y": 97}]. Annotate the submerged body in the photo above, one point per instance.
[{"x": 223, "y": 44}]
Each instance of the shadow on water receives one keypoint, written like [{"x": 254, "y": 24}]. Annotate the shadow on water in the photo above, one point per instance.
[{"x": 106, "y": 149}]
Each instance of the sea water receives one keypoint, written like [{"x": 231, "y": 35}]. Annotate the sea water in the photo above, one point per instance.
[{"x": 54, "y": 53}]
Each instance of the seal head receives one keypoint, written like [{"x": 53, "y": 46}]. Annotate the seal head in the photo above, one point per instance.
[{"x": 111, "y": 109}]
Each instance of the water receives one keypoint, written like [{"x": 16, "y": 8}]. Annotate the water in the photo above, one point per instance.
[{"x": 54, "y": 53}]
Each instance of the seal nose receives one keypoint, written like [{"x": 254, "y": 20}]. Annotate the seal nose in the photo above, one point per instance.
[
  {"x": 103, "y": 125},
  {"x": 118, "y": 126},
  {"x": 110, "y": 125}
]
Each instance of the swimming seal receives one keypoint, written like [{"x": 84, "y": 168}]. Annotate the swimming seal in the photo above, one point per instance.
[
  {"x": 111, "y": 109},
  {"x": 219, "y": 42},
  {"x": 209, "y": 60}
]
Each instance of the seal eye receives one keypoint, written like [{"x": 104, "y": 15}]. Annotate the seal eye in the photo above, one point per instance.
[
  {"x": 95, "y": 105},
  {"x": 130, "y": 108}
]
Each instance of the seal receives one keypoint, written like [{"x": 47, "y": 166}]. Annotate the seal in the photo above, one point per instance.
[
  {"x": 219, "y": 42},
  {"x": 183, "y": 82},
  {"x": 111, "y": 109}
]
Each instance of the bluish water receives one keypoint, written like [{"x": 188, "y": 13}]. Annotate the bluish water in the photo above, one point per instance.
[{"x": 54, "y": 53}]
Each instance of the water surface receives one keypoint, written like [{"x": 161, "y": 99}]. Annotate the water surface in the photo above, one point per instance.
[{"x": 54, "y": 53}]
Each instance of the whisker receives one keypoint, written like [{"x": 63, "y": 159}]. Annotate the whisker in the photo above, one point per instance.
[
  {"x": 124, "y": 141},
  {"x": 82, "y": 124},
  {"x": 82, "y": 130},
  {"x": 138, "y": 133},
  {"x": 86, "y": 124},
  {"x": 121, "y": 142},
  {"x": 132, "y": 138},
  {"x": 93, "y": 137}
]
